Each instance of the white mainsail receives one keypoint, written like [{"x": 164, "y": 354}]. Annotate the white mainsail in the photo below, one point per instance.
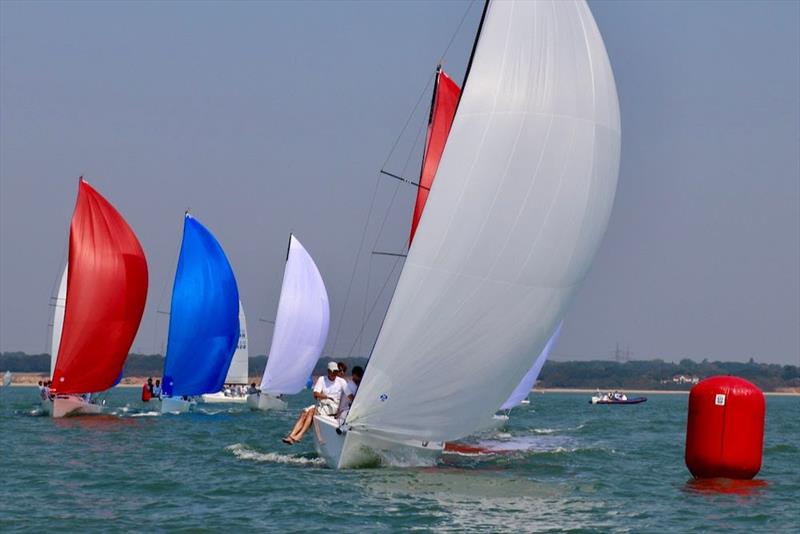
[
  {"x": 301, "y": 325},
  {"x": 58, "y": 319},
  {"x": 520, "y": 203},
  {"x": 238, "y": 371},
  {"x": 525, "y": 386}
]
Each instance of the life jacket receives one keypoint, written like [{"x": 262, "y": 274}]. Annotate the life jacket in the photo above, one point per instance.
[{"x": 146, "y": 395}]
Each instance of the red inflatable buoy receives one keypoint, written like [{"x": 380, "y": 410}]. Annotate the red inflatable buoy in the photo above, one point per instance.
[{"x": 725, "y": 429}]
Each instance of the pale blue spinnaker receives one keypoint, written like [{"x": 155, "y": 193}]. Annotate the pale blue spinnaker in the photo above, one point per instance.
[{"x": 525, "y": 386}]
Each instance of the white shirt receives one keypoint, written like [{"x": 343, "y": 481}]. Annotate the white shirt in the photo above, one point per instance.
[
  {"x": 350, "y": 389},
  {"x": 331, "y": 388}
]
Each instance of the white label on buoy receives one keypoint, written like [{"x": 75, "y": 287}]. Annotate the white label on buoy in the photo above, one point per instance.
[{"x": 720, "y": 400}]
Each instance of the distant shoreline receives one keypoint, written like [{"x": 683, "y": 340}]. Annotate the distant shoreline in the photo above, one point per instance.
[
  {"x": 30, "y": 379},
  {"x": 795, "y": 392}
]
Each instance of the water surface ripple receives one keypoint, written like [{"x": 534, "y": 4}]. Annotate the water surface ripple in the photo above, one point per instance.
[{"x": 565, "y": 466}]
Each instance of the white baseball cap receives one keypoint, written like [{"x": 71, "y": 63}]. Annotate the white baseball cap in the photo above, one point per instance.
[{"x": 333, "y": 367}]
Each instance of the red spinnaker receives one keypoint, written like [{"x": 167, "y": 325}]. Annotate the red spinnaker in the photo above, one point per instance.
[
  {"x": 445, "y": 100},
  {"x": 106, "y": 292}
]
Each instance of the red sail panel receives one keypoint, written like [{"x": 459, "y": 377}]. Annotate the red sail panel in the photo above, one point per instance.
[
  {"x": 445, "y": 101},
  {"x": 106, "y": 292}
]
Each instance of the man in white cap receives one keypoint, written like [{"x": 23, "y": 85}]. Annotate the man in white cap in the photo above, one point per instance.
[{"x": 328, "y": 391}]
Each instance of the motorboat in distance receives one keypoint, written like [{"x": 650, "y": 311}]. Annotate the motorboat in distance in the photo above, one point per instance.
[{"x": 615, "y": 398}]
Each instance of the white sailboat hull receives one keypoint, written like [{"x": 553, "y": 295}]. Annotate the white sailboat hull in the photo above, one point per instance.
[
  {"x": 265, "y": 401},
  {"x": 355, "y": 449},
  {"x": 176, "y": 405},
  {"x": 221, "y": 398},
  {"x": 70, "y": 405}
]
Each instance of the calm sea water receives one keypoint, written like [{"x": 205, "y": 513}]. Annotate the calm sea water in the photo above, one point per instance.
[{"x": 573, "y": 467}]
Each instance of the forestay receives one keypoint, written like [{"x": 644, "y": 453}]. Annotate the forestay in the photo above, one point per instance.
[
  {"x": 520, "y": 203},
  {"x": 301, "y": 325},
  {"x": 525, "y": 386},
  {"x": 238, "y": 371}
]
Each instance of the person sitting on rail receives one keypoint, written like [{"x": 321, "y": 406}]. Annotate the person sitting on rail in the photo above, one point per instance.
[
  {"x": 328, "y": 392},
  {"x": 349, "y": 393}
]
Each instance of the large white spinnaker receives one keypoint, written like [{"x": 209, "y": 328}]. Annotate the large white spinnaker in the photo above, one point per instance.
[
  {"x": 520, "y": 203},
  {"x": 301, "y": 324},
  {"x": 58, "y": 319},
  {"x": 525, "y": 386},
  {"x": 238, "y": 371}
]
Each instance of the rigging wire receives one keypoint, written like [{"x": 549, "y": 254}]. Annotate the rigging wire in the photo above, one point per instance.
[
  {"x": 375, "y": 303},
  {"x": 397, "y": 187},
  {"x": 355, "y": 267},
  {"x": 458, "y": 28},
  {"x": 411, "y": 115}
]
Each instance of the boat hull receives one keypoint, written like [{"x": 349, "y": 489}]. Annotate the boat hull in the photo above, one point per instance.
[
  {"x": 221, "y": 398},
  {"x": 265, "y": 401},
  {"x": 636, "y": 400},
  {"x": 353, "y": 449},
  {"x": 176, "y": 405},
  {"x": 71, "y": 405}
]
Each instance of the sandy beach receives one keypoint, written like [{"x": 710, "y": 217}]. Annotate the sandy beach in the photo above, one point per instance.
[{"x": 31, "y": 379}]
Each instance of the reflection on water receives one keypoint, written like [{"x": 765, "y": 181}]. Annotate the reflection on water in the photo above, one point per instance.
[{"x": 713, "y": 486}]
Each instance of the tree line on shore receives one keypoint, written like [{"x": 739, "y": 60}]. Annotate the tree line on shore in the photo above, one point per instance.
[{"x": 636, "y": 374}]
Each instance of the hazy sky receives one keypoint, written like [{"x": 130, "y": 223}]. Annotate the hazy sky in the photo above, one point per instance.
[{"x": 270, "y": 117}]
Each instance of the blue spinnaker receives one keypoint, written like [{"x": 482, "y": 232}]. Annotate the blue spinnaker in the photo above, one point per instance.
[{"x": 204, "y": 316}]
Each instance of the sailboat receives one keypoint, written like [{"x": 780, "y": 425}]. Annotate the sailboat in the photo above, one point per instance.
[
  {"x": 203, "y": 322},
  {"x": 236, "y": 379},
  {"x": 521, "y": 200},
  {"x": 7, "y": 379},
  {"x": 301, "y": 329},
  {"x": 103, "y": 288}
]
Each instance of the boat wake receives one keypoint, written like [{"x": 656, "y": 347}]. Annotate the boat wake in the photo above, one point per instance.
[
  {"x": 245, "y": 453},
  {"x": 524, "y": 444},
  {"x": 556, "y": 430}
]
